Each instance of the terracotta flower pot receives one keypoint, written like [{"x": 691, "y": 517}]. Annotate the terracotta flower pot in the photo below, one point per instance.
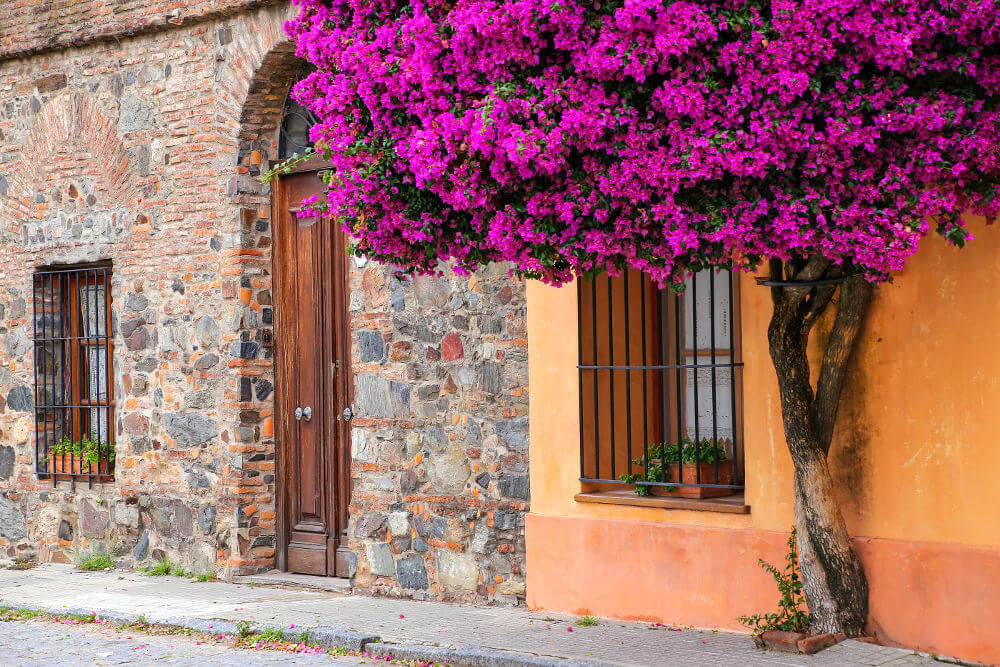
[
  {"x": 691, "y": 475},
  {"x": 65, "y": 466}
]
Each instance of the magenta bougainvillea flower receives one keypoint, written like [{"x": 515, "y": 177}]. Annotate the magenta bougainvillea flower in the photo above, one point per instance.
[{"x": 571, "y": 136}]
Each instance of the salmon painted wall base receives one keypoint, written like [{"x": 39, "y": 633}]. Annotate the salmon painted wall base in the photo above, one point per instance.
[{"x": 933, "y": 597}]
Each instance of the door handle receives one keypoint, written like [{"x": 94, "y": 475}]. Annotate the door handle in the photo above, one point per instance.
[
  {"x": 348, "y": 414},
  {"x": 298, "y": 414},
  {"x": 307, "y": 413}
]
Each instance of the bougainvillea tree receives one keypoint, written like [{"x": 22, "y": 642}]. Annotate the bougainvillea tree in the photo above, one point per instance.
[{"x": 820, "y": 138}]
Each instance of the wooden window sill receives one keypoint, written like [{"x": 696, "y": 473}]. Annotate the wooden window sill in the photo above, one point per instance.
[{"x": 734, "y": 504}]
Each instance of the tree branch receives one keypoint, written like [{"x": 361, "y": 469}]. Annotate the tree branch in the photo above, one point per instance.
[
  {"x": 855, "y": 295},
  {"x": 813, "y": 269},
  {"x": 775, "y": 270},
  {"x": 821, "y": 298}
]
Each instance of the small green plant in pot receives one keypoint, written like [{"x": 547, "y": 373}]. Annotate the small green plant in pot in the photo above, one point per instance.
[
  {"x": 75, "y": 457},
  {"x": 694, "y": 461}
]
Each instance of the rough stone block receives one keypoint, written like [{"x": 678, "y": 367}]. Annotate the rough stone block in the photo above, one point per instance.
[
  {"x": 399, "y": 524},
  {"x": 457, "y": 570},
  {"x": 135, "y": 114},
  {"x": 19, "y": 399},
  {"x": 449, "y": 471},
  {"x": 190, "y": 428},
  {"x": 372, "y": 397},
  {"x": 12, "y": 520},
  {"x": 380, "y": 559},
  {"x": 515, "y": 486},
  {"x": 362, "y": 447},
  {"x": 451, "y": 347},
  {"x": 206, "y": 519},
  {"x": 369, "y": 524},
  {"x": 411, "y": 572},
  {"x": 94, "y": 522},
  {"x": 6, "y": 462},
  {"x": 141, "y": 550},
  {"x": 491, "y": 377},
  {"x": 370, "y": 346},
  {"x": 65, "y": 530},
  {"x": 514, "y": 433}
]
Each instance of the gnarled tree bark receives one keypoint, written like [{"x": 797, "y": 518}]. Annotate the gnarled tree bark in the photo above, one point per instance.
[{"x": 833, "y": 580}]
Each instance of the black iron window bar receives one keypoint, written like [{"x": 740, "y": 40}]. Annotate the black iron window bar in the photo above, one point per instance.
[
  {"x": 73, "y": 369},
  {"x": 660, "y": 372}
]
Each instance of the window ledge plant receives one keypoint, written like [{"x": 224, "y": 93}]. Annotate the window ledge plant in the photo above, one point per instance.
[
  {"x": 695, "y": 461},
  {"x": 83, "y": 454}
]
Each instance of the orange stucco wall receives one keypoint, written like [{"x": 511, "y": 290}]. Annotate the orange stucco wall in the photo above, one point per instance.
[{"x": 915, "y": 457}]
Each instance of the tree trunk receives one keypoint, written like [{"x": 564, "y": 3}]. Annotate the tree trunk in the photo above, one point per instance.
[{"x": 833, "y": 580}]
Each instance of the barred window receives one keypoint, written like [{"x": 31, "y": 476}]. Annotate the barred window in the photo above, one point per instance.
[
  {"x": 74, "y": 401},
  {"x": 296, "y": 122},
  {"x": 660, "y": 385}
]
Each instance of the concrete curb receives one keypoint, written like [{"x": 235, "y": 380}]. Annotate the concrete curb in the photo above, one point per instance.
[
  {"x": 471, "y": 656},
  {"x": 337, "y": 638},
  {"x": 331, "y": 637}
]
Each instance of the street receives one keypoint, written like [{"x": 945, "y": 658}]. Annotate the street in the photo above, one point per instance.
[{"x": 36, "y": 642}]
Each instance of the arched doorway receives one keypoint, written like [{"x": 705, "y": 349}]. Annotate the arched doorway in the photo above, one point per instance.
[{"x": 312, "y": 368}]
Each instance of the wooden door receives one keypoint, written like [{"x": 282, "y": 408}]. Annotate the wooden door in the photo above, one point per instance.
[{"x": 312, "y": 364}]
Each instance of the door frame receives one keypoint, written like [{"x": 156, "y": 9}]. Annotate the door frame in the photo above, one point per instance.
[{"x": 339, "y": 377}]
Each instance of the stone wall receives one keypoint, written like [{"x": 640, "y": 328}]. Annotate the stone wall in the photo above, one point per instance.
[
  {"x": 124, "y": 151},
  {"x": 148, "y": 151},
  {"x": 440, "y": 444}
]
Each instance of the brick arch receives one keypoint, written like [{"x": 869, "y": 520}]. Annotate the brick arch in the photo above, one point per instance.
[
  {"x": 267, "y": 93},
  {"x": 266, "y": 67},
  {"x": 75, "y": 122}
]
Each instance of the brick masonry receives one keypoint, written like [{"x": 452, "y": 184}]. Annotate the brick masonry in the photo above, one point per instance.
[{"x": 140, "y": 137}]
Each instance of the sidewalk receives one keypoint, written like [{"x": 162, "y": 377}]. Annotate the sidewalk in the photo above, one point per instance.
[{"x": 405, "y": 628}]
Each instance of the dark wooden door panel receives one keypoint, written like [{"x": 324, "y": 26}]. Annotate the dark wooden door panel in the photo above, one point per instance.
[
  {"x": 310, "y": 331},
  {"x": 305, "y": 319}
]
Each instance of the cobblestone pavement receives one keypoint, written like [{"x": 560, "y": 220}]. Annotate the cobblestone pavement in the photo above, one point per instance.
[
  {"x": 178, "y": 601},
  {"x": 29, "y": 643}
]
